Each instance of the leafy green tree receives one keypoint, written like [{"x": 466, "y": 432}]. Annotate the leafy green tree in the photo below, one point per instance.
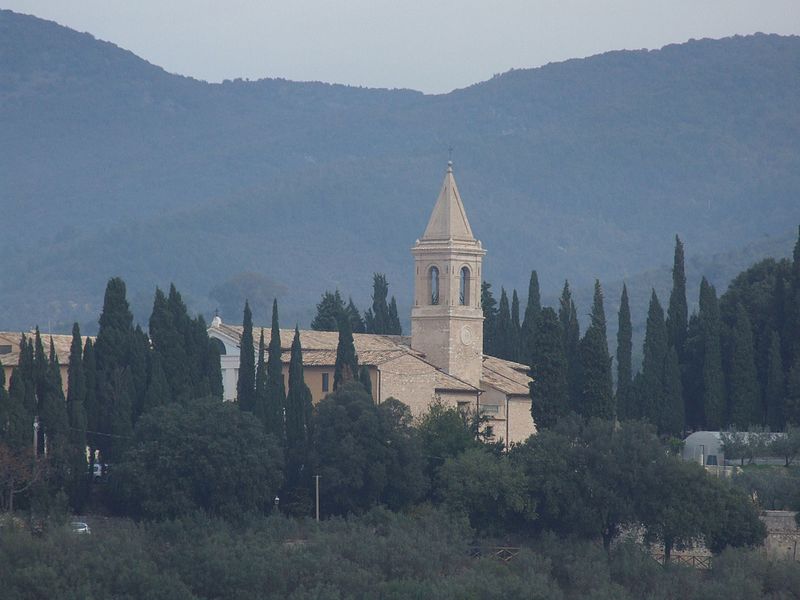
[
  {"x": 625, "y": 410},
  {"x": 713, "y": 382},
  {"x": 346, "y": 366},
  {"x": 329, "y": 311},
  {"x": 732, "y": 518},
  {"x": 786, "y": 446},
  {"x": 678, "y": 310},
  {"x": 246, "y": 384},
  {"x": 298, "y": 432},
  {"x": 775, "y": 393},
  {"x": 444, "y": 432},
  {"x": 351, "y": 450},
  {"x": 489, "y": 306},
  {"x": 204, "y": 455},
  {"x": 530, "y": 321},
  {"x": 492, "y": 491},
  {"x": 548, "y": 387},
  {"x": 744, "y": 398},
  {"x": 597, "y": 396},
  {"x": 406, "y": 482},
  {"x": 276, "y": 391},
  {"x": 570, "y": 327}
]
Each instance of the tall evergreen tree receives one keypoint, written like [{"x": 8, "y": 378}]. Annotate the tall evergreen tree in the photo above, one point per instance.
[
  {"x": 693, "y": 375},
  {"x": 678, "y": 310},
  {"x": 5, "y": 405},
  {"x": 624, "y": 362},
  {"x": 76, "y": 391},
  {"x": 548, "y": 388},
  {"x": 743, "y": 394},
  {"x": 713, "y": 381},
  {"x": 139, "y": 355},
  {"x": 671, "y": 416},
  {"x": 489, "y": 306},
  {"x": 568, "y": 317},
  {"x": 246, "y": 385},
  {"x": 298, "y": 426},
  {"x": 504, "y": 342},
  {"x": 364, "y": 379},
  {"x": 516, "y": 328},
  {"x": 530, "y": 321},
  {"x": 792, "y": 405},
  {"x": 346, "y": 367},
  {"x": 792, "y": 326},
  {"x": 115, "y": 386},
  {"x": 21, "y": 399},
  {"x": 394, "y": 319},
  {"x": 356, "y": 322},
  {"x": 90, "y": 401},
  {"x": 597, "y": 396},
  {"x": 158, "y": 392},
  {"x": 260, "y": 406},
  {"x": 52, "y": 404},
  {"x": 377, "y": 318},
  {"x": 276, "y": 392},
  {"x": 329, "y": 311},
  {"x": 775, "y": 393},
  {"x": 655, "y": 356}
]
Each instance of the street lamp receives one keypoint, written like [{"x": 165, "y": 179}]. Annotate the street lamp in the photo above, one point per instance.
[{"x": 277, "y": 502}]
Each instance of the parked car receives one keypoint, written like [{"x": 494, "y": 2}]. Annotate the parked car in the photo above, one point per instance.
[{"x": 79, "y": 527}]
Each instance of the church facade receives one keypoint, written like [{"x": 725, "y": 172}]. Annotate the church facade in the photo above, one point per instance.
[{"x": 442, "y": 360}]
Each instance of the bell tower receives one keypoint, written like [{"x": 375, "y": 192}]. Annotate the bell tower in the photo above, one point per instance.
[{"x": 447, "y": 319}]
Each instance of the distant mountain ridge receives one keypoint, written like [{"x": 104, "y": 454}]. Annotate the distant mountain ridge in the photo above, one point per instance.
[{"x": 587, "y": 168}]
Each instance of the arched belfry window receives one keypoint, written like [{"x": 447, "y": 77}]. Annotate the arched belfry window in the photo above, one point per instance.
[
  {"x": 463, "y": 287},
  {"x": 434, "y": 285}
]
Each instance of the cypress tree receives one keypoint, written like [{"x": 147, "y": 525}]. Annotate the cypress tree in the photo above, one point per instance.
[
  {"x": 76, "y": 391},
  {"x": 364, "y": 379},
  {"x": 261, "y": 401},
  {"x": 504, "y": 342},
  {"x": 672, "y": 417},
  {"x": 568, "y": 317},
  {"x": 678, "y": 310},
  {"x": 653, "y": 363},
  {"x": 597, "y": 397},
  {"x": 356, "y": 322},
  {"x": 52, "y": 404},
  {"x": 213, "y": 366},
  {"x": 713, "y": 382},
  {"x": 246, "y": 385},
  {"x": 624, "y": 362},
  {"x": 530, "y": 321},
  {"x": 298, "y": 425},
  {"x": 743, "y": 395},
  {"x": 90, "y": 402},
  {"x": 140, "y": 349},
  {"x": 792, "y": 327},
  {"x": 377, "y": 319},
  {"x": 39, "y": 372},
  {"x": 21, "y": 399},
  {"x": 792, "y": 405},
  {"x": 346, "y": 367},
  {"x": 329, "y": 311},
  {"x": 775, "y": 393},
  {"x": 489, "y": 304},
  {"x": 692, "y": 375},
  {"x": 276, "y": 391},
  {"x": 5, "y": 405},
  {"x": 158, "y": 391},
  {"x": 394, "y": 319},
  {"x": 115, "y": 387},
  {"x": 548, "y": 388},
  {"x": 516, "y": 328}
]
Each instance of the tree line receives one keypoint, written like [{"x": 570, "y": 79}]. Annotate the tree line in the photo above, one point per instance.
[{"x": 733, "y": 363}]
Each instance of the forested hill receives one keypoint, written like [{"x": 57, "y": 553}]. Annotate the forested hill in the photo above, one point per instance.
[{"x": 582, "y": 169}]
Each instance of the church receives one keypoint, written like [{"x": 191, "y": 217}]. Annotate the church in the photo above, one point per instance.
[{"x": 442, "y": 360}]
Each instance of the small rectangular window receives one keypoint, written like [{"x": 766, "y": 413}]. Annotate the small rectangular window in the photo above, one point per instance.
[
  {"x": 711, "y": 460},
  {"x": 5, "y": 348},
  {"x": 325, "y": 382},
  {"x": 490, "y": 409}
]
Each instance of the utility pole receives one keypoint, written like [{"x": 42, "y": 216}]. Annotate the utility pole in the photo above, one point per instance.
[{"x": 316, "y": 484}]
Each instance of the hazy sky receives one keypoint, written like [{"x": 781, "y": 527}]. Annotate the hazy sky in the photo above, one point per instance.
[{"x": 429, "y": 45}]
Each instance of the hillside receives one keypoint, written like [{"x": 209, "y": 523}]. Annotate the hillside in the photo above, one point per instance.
[{"x": 582, "y": 169}]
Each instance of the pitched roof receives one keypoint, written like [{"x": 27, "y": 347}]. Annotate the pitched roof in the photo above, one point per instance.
[
  {"x": 448, "y": 219},
  {"x": 319, "y": 349},
  {"x": 9, "y": 346},
  {"x": 509, "y": 377}
]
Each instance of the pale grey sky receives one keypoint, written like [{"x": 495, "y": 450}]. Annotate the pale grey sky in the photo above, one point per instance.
[{"x": 429, "y": 45}]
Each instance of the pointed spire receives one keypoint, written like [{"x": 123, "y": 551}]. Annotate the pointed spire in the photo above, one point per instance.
[{"x": 448, "y": 220}]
